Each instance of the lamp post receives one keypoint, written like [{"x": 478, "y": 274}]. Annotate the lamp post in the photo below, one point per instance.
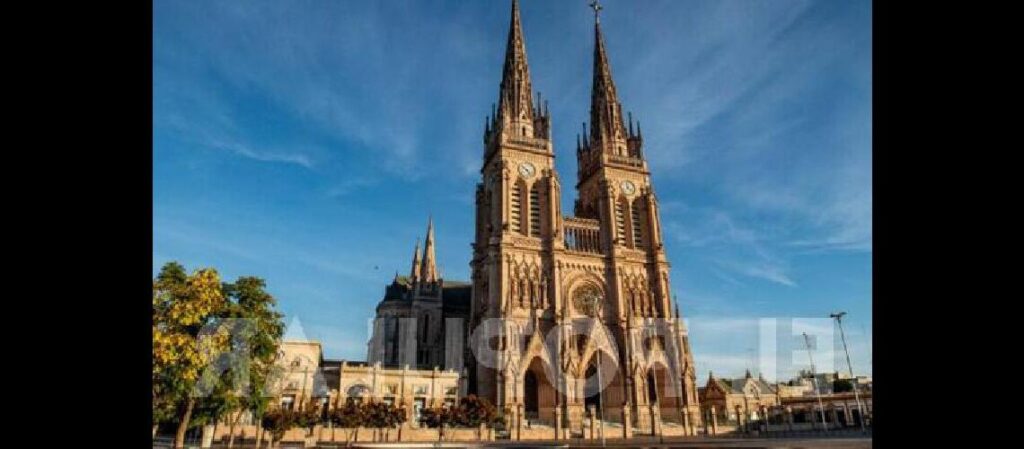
[
  {"x": 814, "y": 380},
  {"x": 853, "y": 379}
]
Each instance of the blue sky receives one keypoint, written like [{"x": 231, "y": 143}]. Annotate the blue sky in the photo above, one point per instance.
[{"x": 306, "y": 142}]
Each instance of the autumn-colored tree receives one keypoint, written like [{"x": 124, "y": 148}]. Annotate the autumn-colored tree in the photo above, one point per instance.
[
  {"x": 241, "y": 331},
  {"x": 382, "y": 415},
  {"x": 277, "y": 422},
  {"x": 182, "y": 305},
  {"x": 350, "y": 418}
]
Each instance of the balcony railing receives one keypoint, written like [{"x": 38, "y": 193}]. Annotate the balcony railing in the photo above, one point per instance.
[
  {"x": 583, "y": 235},
  {"x": 626, "y": 160}
]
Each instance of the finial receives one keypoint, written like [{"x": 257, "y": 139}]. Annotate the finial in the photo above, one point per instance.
[
  {"x": 630, "y": 122},
  {"x": 639, "y": 132},
  {"x": 596, "y": 6}
]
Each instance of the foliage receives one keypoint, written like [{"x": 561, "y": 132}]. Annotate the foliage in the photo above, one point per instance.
[
  {"x": 842, "y": 386},
  {"x": 381, "y": 414},
  {"x": 182, "y": 304},
  {"x": 309, "y": 417},
  {"x": 278, "y": 421},
  {"x": 240, "y": 333},
  {"x": 348, "y": 417},
  {"x": 472, "y": 411}
]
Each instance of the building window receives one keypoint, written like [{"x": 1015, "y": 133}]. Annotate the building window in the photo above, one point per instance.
[
  {"x": 515, "y": 209},
  {"x": 620, "y": 221},
  {"x": 535, "y": 210},
  {"x": 288, "y": 402},
  {"x": 638, "y": 240}
]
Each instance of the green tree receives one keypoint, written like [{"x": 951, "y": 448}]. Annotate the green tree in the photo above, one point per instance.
[{"x": 256, "y": 331}]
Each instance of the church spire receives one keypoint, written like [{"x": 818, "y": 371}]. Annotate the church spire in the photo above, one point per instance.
[
  {"x": 607, "y": 129},
  {"x": 428, "y": 268},
  {"x": 515, "y": 104},
  {"x": 414, "y": 274}
]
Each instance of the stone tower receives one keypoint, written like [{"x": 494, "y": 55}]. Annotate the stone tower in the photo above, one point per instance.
[{"x": 572, "y": 315}]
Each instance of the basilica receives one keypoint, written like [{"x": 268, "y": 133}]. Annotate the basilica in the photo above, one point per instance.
[{"x": 567, "y": 317}]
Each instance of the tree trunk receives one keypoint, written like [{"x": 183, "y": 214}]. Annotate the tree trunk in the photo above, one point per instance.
[
  {"x": 231, "y": 429},
  {"x": 179, "y": 437},
  {"x": 259, "y": 432}
]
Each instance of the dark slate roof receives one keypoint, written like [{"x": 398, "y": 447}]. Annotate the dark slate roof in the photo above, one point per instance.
[{"x": 457, "y": 299}]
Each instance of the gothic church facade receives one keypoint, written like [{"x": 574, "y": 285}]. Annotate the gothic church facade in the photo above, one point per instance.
[{"x": 566, "y": 316}]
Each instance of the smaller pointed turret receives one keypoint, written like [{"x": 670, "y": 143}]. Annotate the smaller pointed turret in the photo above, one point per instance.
[
  {"x": 428, "y": 267},
  {"x": 414, "y": 274}
]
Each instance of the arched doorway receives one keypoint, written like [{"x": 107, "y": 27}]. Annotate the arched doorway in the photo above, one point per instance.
[
  {"x": 604, "y": 392},
  {"x": 530, "y": 395},
  {"x": 662, "y": 390},
  {"x": 652, "y": 386},
  {"x": 538, "y": 392},
  {"x": 591, "y": 388}
]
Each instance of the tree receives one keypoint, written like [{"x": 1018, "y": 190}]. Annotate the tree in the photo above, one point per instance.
[
  {"x": 182, "y": 306},
  {"x": 472, "y": 411},
  {"x": 381, "y": 415},
  {"x": 350, "y": 417},
  {"x": 257, "y": 330},
  {"x": 277, "y": 422},
  {"x": 228, "y": 370}
]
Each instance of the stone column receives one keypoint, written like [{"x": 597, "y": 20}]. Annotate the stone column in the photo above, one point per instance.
[
  {"x": 519, "y": 421},
  {"x": 655, "y": 419},
  {"x": 714, "y": 421},
  {"x": 847, "y": 418},
  {"x": 627, "y": 422},
  {"x": 684, "y": 421},
  {"x": 593, "y": 422},
  {"x": 558, "y": 422}
]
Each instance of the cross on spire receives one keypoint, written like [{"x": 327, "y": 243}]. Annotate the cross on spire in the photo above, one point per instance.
[{"x": 596, "y": 6}]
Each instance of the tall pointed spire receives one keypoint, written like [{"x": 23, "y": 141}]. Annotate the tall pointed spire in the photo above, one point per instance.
[
  {"x": 606, "y": 126},
  {"x": 428, "y": 268},
  {"x": 414, "y": 275},
  {"x": 515, "y": 102}
]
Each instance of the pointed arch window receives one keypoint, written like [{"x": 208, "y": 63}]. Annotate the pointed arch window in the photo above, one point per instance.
[
  {"x": 535, "y": 210},
  {"x": 516, "y": 208},
  {"x": 637, "y": 222},
  {"x": 620, "y": 220}
]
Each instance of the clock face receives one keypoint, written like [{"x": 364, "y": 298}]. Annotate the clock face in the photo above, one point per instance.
[
  {"x": 628, "y": 188},
  {"x": 526, "y": 169}
]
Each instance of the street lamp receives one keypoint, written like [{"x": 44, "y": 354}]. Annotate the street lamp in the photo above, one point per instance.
[{"x": 853, "y": 379}]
